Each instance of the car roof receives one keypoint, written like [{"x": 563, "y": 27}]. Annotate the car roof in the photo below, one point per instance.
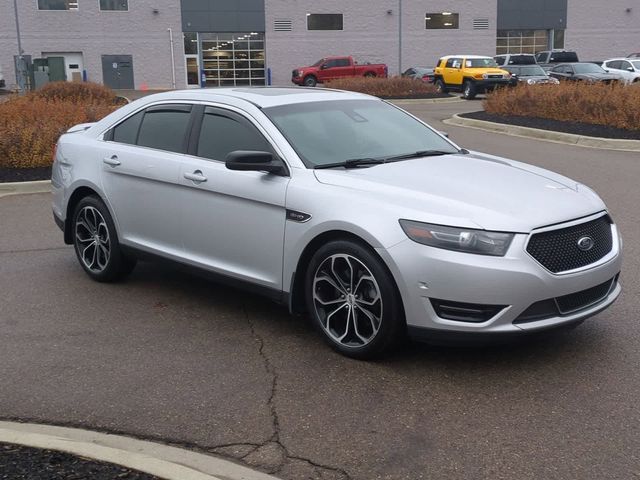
[
  {"x": 262, "y": 97},
  {"x": 465, "y": 56},
  {"x": 620, "y": 58}
]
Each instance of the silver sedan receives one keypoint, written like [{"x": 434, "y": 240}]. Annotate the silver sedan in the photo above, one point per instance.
[{"x": 339, "y": 205}]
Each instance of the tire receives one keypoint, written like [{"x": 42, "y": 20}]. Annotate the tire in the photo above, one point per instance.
[
  {"x": 310, "y": 81},
  {"x": 93, "y": 226},
  {"x": 440, "y": 86},
  {"x": 468, "y": 90},
  {"x": 369, "y": 75},
  {"x": 353, "y": 300}
]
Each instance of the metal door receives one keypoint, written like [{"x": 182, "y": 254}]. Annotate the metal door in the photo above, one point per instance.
[
  {"x": 117, "y": 71},
  {"x": 57, "y": 69}
]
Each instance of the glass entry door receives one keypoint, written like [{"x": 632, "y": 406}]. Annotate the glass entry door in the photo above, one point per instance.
[{"x": 193, "y": 71}]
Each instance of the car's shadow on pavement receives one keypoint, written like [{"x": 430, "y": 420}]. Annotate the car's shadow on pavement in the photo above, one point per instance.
[{"x": 276, "y": 324}]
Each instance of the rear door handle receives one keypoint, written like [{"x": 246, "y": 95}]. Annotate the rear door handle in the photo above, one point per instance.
[
  {"x": 113, "y": 160},
  {"x": 196, "y": 176}
]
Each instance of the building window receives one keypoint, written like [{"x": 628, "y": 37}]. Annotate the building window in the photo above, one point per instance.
[
  {"x": 441, "y": 20},
  {"x": 190, "y": 43},
  {"x": 57, "y": 4},
  {"x": 117, "y": 5},
  {"x": 522, "y": 41},
  {"x": 324, "y": 21}
]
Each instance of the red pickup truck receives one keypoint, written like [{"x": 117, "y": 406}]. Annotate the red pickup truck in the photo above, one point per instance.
[{"x": 330, "y": 68}]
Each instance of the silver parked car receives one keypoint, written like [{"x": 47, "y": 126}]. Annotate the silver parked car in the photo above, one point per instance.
[{"x": 340, "y": 205}]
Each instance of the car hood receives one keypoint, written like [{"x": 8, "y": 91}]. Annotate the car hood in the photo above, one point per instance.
[
  {"x": 472, "y": 191},
  {"x": 537, "y": 78},
  {"x": 598, "y": 76}
]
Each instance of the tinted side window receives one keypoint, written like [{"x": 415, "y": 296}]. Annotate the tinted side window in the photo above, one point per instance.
[
  {"x": 221, "y": 135},
  {"x": 450, "y": 63},
  {"x": 343, "y": 62},
  {"x": 164, "y": 127},
  {"x": 127, "y": 131},
  {"x": 499, "y": 60},
  {"x": 624, "y": 65}
]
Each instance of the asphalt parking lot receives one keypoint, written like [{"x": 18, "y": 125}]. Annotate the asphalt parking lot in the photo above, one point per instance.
[{"x": 169, "y": 356}]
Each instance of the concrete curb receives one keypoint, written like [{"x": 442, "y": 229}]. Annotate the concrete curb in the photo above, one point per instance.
[
  {"x": 166, "y": 462},
  {"x": 19, "y": 188},
  {"x": 546, "y": 135}
]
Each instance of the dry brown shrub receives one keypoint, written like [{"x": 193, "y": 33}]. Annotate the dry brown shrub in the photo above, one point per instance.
[
  {"x": 613, "y": 105},
  {"x": 392, "y": 87},
  {"x": 30, "y": 125},
  {"x": 77, "y": 92}
]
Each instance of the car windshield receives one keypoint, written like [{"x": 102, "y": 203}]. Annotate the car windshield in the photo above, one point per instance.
[
  {"x": 480, "y": 63},
  {"x": 528, "y": 71},
  {"x": 318, "y": 63},
  {"x": 587, "y": 68},
  {"x": 336, "y": 131}
]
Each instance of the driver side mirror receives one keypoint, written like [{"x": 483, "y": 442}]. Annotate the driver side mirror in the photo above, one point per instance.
[
  {"x": 250, "y": 160},
  {"x": 630, "y": 69},
  {"x": 324, "y": 66}
]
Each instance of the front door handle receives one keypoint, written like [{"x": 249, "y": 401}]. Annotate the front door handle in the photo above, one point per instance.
[
  {"x": 113, "y": 161},
  {"x": 196, "y": 176}
]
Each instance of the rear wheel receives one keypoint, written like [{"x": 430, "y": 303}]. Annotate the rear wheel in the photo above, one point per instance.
[
  {"x": 440, "y": 86},
  {"x": 353, "y": 300},
  {"x": 469, "y": 90},
  {"x": 96, "y": 242},
  {"x": 310, "y": 81}
]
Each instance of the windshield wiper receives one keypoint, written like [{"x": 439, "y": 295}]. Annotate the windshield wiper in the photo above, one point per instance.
[
  {"x": 353, "y": 163},
  {"x": 419, "y": 154}
]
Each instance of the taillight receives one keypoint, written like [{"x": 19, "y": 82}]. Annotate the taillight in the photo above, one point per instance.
[{"x": 426, "y": 77}]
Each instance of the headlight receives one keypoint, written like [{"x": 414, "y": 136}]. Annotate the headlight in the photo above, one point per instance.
[
  {"x": 531, "y": 81},
  {"x": 466, "y": 240},
  {"x": 554, "y": 81}
]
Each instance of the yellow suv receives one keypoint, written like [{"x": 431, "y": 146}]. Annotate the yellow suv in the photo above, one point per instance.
[{"x": 469, "y": 74}]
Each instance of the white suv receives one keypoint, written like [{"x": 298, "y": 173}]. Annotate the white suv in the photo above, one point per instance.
[{"x": 627, "y": 68}]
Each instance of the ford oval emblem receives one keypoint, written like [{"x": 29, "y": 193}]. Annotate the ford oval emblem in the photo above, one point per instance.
[{"x": 585, "y": 243}]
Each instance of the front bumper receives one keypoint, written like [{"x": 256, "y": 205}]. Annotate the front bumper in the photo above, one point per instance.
[
  {"x": 515, "y": 281},
  {"x": 492, "y": 83}
]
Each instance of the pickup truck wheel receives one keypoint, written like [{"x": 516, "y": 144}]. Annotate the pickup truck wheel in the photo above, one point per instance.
[
  {"x": 310, "y": 81},
  {"x": 468, "y": 90},
  {"x": 440, "y": 86},
  {"x": 369, "y": 74}
]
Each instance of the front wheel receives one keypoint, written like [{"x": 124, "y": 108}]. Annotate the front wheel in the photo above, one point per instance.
[
  {"x": 469, "y": 90},
  {"x": 96, "y": 242},
  {"x": 353, "y": 300},
  {"x": 310, "y": 81}
]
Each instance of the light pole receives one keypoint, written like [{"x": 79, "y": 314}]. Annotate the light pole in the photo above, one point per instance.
[
  {"x": 399, "y": 37},
  {"x": 19, "y": 65}
]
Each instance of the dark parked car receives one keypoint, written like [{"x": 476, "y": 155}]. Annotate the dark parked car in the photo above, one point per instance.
[
  {"x": 515, "y": 59},
  {"x": 530, "y": 74},
  {"x": 634, "y": 55},
  {"x": 583, "y": 72},
  {"x": 420, "y": 73}
]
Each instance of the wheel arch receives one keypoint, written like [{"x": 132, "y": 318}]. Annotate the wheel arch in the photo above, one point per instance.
[
  {"x": 297, "y": 304},
  {"x": 80, "y": 192}
]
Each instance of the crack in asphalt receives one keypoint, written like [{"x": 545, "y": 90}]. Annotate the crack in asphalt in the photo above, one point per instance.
[{"x": 275, "y": 438}]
